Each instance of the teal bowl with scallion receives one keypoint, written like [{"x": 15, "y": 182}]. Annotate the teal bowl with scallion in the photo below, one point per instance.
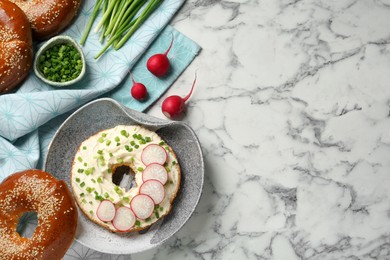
[{"x": 60, "y": 62}]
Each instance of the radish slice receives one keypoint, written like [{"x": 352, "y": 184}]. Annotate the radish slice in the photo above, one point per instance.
[
  {"x": 142, "y": 206},
  {"x": 154, "y": 153},
  {"x": 154, "y": 189},
  {"x": 124, "y": 219},
  {"x": 106, "y": 211},
  {"x": 155, "y": 171}
]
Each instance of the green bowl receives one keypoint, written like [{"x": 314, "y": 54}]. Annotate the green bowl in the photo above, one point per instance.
[{"x": 50, "y": 43}]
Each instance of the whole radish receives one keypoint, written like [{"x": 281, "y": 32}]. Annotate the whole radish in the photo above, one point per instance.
[
  {"x": 174, "y": 105},
  {"x": 158, "y": 64},
  {"x": 138, "y": 90}
]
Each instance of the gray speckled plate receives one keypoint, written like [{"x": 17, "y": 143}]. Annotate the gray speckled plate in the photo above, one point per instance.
[{"x": 106, "y": 113}]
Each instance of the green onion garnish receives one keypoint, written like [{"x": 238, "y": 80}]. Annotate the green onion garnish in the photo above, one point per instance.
[{"x": 60, "y": 63}]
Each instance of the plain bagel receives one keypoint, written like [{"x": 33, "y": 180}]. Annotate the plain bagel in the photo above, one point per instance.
[
  {"x": 15, "y": 46},
  {"x": 48, "y": 17},
  {"x": 36, "y": 190}
]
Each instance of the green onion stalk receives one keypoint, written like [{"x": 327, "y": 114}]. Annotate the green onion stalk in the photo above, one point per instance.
[{"x": 118, "y": 21}]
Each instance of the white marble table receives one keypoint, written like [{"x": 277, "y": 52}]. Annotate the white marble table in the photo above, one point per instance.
[{"x": 292, "y": 110}]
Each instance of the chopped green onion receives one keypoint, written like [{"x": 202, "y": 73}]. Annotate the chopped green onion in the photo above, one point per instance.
[
  {"x": 98, "y": 197},
  {"x": 89, "y": 171},
  {"x": 60, "y": 63},
  {"x": 124, "y": 133},
  {"x": 118, "y": 190}
]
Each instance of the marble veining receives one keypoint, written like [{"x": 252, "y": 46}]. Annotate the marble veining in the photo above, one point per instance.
[{"x": 292, "y": 110}]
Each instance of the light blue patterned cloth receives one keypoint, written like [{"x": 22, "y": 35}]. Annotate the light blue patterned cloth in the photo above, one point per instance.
[{"x": 29, "y": 117}]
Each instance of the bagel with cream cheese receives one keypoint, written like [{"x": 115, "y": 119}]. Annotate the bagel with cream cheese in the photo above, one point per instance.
[{"x": 107, "y": 159}]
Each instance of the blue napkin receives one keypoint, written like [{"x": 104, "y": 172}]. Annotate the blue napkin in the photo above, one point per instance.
[{"x": 30, "y": 117}]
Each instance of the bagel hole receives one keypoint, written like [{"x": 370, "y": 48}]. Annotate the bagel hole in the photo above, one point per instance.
[
  {"x": 27, "y": 224},
  {"x": 123, "y": 176}
]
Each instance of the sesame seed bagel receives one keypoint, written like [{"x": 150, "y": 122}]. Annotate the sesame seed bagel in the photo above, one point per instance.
[
  {"x": 15, "y": 46},
  {"x": 104, "y": 159},
  {"x": 48, "y": 17},
  {"x": 36, "y": 190}
]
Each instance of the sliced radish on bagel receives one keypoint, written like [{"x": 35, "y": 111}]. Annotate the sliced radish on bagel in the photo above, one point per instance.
[
  {"x": 124, "y": 219},
  {"x": 106, "y": 211},
  {"x": 154, "y": 153},
  {"x": 155, "y": 171},
  {"x": 142, "y": 206},
  {"x": 154, "y": 189}
]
